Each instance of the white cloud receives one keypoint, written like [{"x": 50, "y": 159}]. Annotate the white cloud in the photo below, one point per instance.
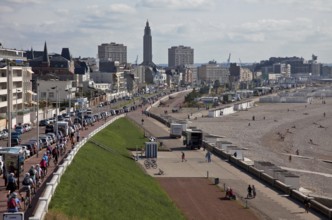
[
  {"x": 311, "y": 5},
  {"x": 176, "y": 4},
  {"x": 5, "y": 9},
  {"x": 25, "y": 1},
  {"x": 121, "y": 8}
]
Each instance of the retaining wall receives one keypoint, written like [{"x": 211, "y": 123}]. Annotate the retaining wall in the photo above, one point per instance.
[{"x": 44, "y": 201}]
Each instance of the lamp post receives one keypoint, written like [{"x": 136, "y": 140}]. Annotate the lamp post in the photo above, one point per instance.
[
  {"x": 56, "y": 111},
  {"x": 9, "y": 101},
  {"x": 16, "y": 109},
  {"x": 37, "y": 117},
  {"x": 38, "y": 144},
  {"x": 82, "y": 108},
  {"x": 69, "y": 92}
]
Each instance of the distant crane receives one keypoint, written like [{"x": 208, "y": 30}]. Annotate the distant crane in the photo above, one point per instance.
[
  {"x": 240, "y": 62},
  {"x": 228, "y": 60},
  {"x": 136, "y": 60}
]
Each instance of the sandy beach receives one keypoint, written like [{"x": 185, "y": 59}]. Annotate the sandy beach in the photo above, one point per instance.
[{"x": 279, "y": 130}]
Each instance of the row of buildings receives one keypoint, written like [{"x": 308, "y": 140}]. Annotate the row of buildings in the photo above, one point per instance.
[{"x": 59, "y": 77}]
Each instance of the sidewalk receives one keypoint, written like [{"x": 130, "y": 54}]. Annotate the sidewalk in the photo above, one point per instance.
[
  {"x": 51, "y": 169},
  {"x": 268, "y": 202}
]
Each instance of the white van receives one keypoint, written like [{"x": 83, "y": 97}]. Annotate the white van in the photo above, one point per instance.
[{"x": 64, "y": 127}]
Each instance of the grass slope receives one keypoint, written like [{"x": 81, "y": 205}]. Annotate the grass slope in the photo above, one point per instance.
[{"x": 109, "y": 185}]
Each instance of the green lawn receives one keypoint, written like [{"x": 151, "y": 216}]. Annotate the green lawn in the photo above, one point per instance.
[{"x": 101, "y": 184}]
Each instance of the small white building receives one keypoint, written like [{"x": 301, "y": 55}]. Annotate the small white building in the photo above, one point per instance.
[
  {"x": 221, "y": 112},
  {"x": 53, "y": 91}
]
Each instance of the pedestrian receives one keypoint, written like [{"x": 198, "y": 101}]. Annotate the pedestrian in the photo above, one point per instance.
[
  {"x": 208, "y": 156},
  {"x": 297, "y": 152},
  {"x": 290, "y": 158},
  {"x": 11, "y": 183},
  {"x": 307, "y": 204},
  {"x": 11, "y": 168},
  {"x": 5, "y": 174},
  {"x": 13, "y": 203},
  {"x": 78, "y": 137},
  {"x": 253, "y": 191},
  {"x": 183, "y": 157},
  {"x": 249, "y": 192}
]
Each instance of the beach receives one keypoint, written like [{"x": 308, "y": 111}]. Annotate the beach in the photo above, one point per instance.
[{"x": 277, "y": 133}]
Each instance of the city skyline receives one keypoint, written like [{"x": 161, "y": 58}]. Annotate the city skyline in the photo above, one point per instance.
[{"x": 251, "y": 30}]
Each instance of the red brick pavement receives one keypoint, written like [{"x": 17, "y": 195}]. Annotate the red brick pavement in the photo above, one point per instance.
[{"x": 199, "y": 199}]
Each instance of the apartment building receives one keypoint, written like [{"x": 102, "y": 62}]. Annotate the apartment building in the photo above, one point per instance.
[
  {"x": 15, "y": 84},
  {"x": 212, "y": 71},
  {"x": 113, "y": 52},
  {"x": 180, "y": 56}
]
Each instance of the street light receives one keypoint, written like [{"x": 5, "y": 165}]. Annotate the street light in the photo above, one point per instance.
[
  {"x": 16, "y": 109},
  {"x": 69, "y": 92},
  {"x": 38, "y": 144},
  {"x": 37, "y": 123},
  {"x": 56, "y": 111}
]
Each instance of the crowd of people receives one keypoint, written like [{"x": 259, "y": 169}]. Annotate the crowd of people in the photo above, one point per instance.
[{"x": 34, "y": 177}]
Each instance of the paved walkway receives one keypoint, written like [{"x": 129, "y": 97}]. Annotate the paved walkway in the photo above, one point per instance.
[
  {"x": 269, "y": 203},
  {"x": 51, "y": 169}
]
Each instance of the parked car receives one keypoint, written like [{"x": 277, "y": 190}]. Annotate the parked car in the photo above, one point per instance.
[
  {"x": 44, "y": 141},
  {"x": 44, "y": 122},
  {"x": 53, "y": 136},
  {"x": 4, "y": 133},
  {"x": 34, "y": 142},
  {"x": 60, "y": 118},
  {"x": 26, "y": 151},
  {"x": 31, "y": 147},
  {"x": 19, "y": 129},
  {"x": 49, "y": 129},
  {"x": 48, "y": 138},
  {"x": 27, "y": 127}
]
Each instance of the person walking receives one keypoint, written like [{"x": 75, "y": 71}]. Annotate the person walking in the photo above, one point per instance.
[
  {"x": 253, "y": 191},
  {"x": 183, "y": 157},
  {"x": 249, "y": 192},
  {"x": 78, "y": 137},
  {"x": 307, "y": 204},
  {"x": 208, "y": 156},
  {"x": 11, "y": 183}
]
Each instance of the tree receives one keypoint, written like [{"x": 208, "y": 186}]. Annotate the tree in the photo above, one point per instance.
[{"x": 216, "y": 86}]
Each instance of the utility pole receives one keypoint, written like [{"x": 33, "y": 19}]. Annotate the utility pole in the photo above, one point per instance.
[{"x": 9, "y": 102}]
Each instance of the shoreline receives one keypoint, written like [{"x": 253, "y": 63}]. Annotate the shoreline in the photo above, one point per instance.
[{"x": 279, "y": 130}]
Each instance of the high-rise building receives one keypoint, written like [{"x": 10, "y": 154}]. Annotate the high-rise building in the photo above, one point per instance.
[
  {"x": 147, "y": 46},
  {"x": 181, "y": 55},
  {"x": 212, "y": 71},
  {"x": 112, "y": 52}
]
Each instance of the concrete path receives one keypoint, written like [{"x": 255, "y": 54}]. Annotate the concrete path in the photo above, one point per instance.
[{"x": 270, "y": 203}]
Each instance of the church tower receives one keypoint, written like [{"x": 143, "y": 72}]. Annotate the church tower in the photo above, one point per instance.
[{"x": 147, "y": 46}]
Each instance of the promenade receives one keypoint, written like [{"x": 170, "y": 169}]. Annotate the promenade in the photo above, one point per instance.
[
  {"x": 51, "y": 169},
  {"x": 269, "y": 203}
]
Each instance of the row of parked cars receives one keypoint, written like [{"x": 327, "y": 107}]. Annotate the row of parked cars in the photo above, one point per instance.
[
  {"x": 17, "y": 133},
  {"x": 48, "y": 121}
]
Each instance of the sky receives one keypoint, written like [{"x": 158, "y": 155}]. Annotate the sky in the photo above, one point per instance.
[{"x": 249, "y": 30}]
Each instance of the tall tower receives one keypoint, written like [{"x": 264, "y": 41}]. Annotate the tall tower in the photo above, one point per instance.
[{"x": 147, "y": 46}]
